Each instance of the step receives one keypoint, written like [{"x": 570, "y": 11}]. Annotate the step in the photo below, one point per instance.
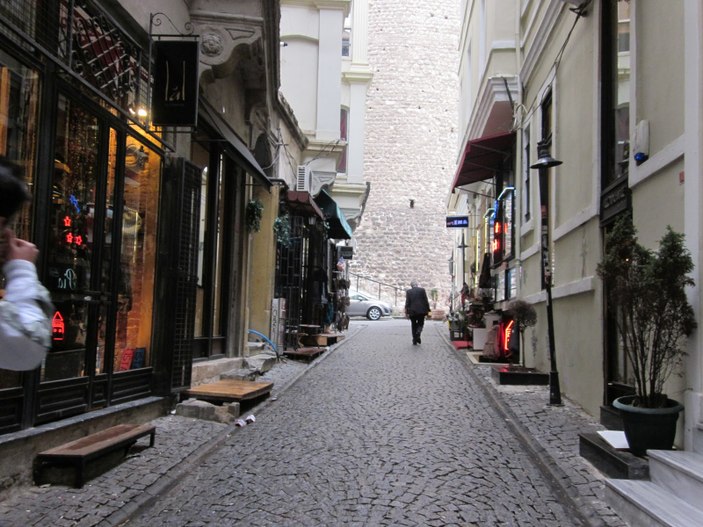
[
  {"x": 610, "y": 461},
  {"x": 680, "y": 472},
  {"x": 645, "y": 503}
]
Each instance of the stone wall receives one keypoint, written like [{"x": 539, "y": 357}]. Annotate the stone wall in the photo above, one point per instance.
[{"x": 411, "y": 143}]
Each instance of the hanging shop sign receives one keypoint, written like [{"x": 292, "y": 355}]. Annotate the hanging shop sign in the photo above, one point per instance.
[
  {"x": 175, "y": 96},
  {"x": 346, "y": 252},
  {"x": 457, "y": 221}
]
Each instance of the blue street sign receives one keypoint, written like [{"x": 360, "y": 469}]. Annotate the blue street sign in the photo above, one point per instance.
[{"x": 457, "y": 221}]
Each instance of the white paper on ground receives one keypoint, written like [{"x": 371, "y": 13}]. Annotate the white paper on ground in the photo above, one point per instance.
[{"x": 615, "y": 438}]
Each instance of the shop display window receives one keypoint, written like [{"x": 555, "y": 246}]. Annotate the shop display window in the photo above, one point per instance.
[
  {"x": 135, "y": 288},
  {"x": 19, "y": 110},
  {"x": 100, "y": 272},
  {"x": 70, "y": 255}
]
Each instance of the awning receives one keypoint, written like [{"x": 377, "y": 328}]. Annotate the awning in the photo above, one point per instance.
[
  {"x": 233, "y": 143},
  {"x": 482, "y": 158},
  {"x": 303, "y": 204},
  {"x": 339, "y": 228}
]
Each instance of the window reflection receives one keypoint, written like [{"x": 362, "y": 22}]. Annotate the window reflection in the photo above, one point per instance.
[
  {"x": 135, "y": 287},
  {"x": 19, "y": 108}
]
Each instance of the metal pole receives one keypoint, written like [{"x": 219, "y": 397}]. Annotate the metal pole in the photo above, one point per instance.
[{"x": 554, "y": 388}]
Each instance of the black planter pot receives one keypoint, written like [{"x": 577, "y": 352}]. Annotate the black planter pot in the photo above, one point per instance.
[{"x": 648, "y": 428}]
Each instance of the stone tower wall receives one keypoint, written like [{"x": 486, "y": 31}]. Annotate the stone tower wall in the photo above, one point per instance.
[{"x": 411, "y": 145}]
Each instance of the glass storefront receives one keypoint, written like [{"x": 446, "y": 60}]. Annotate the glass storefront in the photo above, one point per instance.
[
  {"x": 90, "y": 185},
  {"x": 19, "y": 110},
  {"x": 100, "y": 272},
  {"x": 216, "y": 202}
]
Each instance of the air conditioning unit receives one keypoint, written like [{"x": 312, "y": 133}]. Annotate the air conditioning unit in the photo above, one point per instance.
[{"x": 302, "y": 181}]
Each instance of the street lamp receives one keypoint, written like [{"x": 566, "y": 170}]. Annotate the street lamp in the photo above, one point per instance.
[
  {"x": 544, "y": 162},
  {"x": 451, "y": 273},
  {"x": 463, "y": 248}
]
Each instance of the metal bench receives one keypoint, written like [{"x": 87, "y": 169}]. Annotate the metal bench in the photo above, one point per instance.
[{"x": 80, "y": 452}]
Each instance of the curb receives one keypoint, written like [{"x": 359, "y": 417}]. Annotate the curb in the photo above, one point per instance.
[
  {"x": 164, "y": 484},
  {"x": 556, "y": 477}
]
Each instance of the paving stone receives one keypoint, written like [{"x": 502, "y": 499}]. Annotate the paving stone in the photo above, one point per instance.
[{"x": 375, "y": 431}]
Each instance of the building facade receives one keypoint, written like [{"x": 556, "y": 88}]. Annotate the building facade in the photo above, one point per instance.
[
  {"x": 612, "y": 90},
  {"x": 153, "y": 202}
]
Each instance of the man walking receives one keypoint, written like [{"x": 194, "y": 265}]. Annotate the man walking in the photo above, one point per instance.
[{"x": 417, "y": 307}]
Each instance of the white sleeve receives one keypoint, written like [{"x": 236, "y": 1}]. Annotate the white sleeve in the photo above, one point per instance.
[{"x": 25, "y": 327}]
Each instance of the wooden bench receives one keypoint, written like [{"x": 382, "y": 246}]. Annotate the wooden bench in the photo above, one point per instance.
[{"x": 80, "y": 452}]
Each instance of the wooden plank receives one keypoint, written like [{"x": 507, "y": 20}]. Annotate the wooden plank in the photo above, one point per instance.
[
  {"x": 229, "y": 390},
  {"x": 304, "y": 353}
]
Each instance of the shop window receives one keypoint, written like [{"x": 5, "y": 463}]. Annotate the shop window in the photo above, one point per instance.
[
  {"x": 214, "y": 239},
  {"x": 503, "y": 226},
  {"x": 100, "y": 272},
  {"x": 135, "y": 283},
  {"x": 70, "y": 256},
  {"x": 19, "y": 109}
]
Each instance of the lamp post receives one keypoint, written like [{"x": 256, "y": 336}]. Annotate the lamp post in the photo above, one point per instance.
[
  {"x": 451, "y": 273},
  {"x": 463, "y": 247},
  {"x": 544, "y": 162}
]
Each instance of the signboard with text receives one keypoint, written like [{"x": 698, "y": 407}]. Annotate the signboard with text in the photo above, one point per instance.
[{"x": 457, "y": 221}]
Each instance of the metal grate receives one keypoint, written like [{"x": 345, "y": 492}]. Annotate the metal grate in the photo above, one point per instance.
[
  {"x": 186, "y": 276},
  {"x": 292, "y": 274},
  {"x": 87, "y": 42}
]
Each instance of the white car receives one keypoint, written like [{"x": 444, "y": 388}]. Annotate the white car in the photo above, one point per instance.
[{"x": 365, "y": 305}]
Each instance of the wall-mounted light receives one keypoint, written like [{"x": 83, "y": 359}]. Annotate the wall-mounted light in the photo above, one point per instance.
[{"x": 506, "y": 189}]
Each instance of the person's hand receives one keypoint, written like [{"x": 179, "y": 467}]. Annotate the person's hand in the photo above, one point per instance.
[{"x": 18, "y": 249}]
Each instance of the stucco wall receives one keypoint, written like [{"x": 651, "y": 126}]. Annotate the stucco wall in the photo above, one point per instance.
[{"x": 411, "y": 143}]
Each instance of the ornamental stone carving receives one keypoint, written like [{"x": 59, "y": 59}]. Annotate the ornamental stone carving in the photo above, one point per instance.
[{"x": 211, "y": 44}]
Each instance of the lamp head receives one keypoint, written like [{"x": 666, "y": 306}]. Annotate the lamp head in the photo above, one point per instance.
[{"x": 544, "y": 158}]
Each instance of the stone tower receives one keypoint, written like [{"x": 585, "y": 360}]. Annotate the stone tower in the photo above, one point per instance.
[{"x": 411, "y": 145}]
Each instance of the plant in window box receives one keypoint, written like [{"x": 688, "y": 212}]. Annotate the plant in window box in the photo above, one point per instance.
[
  {"x": 254, "y": 213},
  {"x": 475, "y": 316},
  {"x": 281, "y": 229},
  {"x": 647, "y": 292}
]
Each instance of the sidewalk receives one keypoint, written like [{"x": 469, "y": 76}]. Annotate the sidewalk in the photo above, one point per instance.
[{"x": 549, "y": 432}]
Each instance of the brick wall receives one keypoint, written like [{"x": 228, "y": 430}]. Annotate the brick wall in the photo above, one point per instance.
[{"x": 411, "y": 143}]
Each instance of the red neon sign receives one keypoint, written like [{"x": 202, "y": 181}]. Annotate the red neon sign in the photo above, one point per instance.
[
  {"x": 507, "y": 333},
  {"x": 57, "y": 327}
]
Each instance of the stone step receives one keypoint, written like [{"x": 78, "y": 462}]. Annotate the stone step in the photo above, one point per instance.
[
  {"x": 645, "y": 503},
  {"x": 613, "y": 463},
  {"x": 680, "y": 472}
]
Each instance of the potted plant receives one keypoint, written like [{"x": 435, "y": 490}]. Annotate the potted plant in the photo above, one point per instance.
[
  {"x": 647, "y": 291},
  {"x": 254, "y": 213}
]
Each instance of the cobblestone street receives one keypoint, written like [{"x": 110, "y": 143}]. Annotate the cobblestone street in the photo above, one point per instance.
[
  {"x": 379, "y": 433},
  {"x": 375, "y": 432}
]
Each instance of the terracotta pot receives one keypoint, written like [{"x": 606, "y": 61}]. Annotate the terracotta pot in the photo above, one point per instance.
[{"x": 648, "y": 428}]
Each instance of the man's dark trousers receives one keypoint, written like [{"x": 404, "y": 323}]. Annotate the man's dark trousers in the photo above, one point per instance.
[{"x": 417, "y": 322}]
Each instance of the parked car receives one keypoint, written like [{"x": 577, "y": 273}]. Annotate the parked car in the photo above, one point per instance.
[{"x": 365, "y": 305}]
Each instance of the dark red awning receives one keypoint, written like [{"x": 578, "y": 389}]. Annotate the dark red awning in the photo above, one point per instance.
[
  {"x": 483, "y": 157},
  {"x": 302, "y": 203}
]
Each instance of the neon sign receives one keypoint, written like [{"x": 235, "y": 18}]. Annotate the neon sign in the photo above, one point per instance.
[
  {"x": 507, "y": 333},
  {"x": 70, "y": 238},
  {"x": 57, "y": 327}
]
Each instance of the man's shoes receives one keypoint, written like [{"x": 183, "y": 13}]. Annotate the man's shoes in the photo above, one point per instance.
[
  {"x": 415, "y": 341},
  {"x": 419, "y": 341}
]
